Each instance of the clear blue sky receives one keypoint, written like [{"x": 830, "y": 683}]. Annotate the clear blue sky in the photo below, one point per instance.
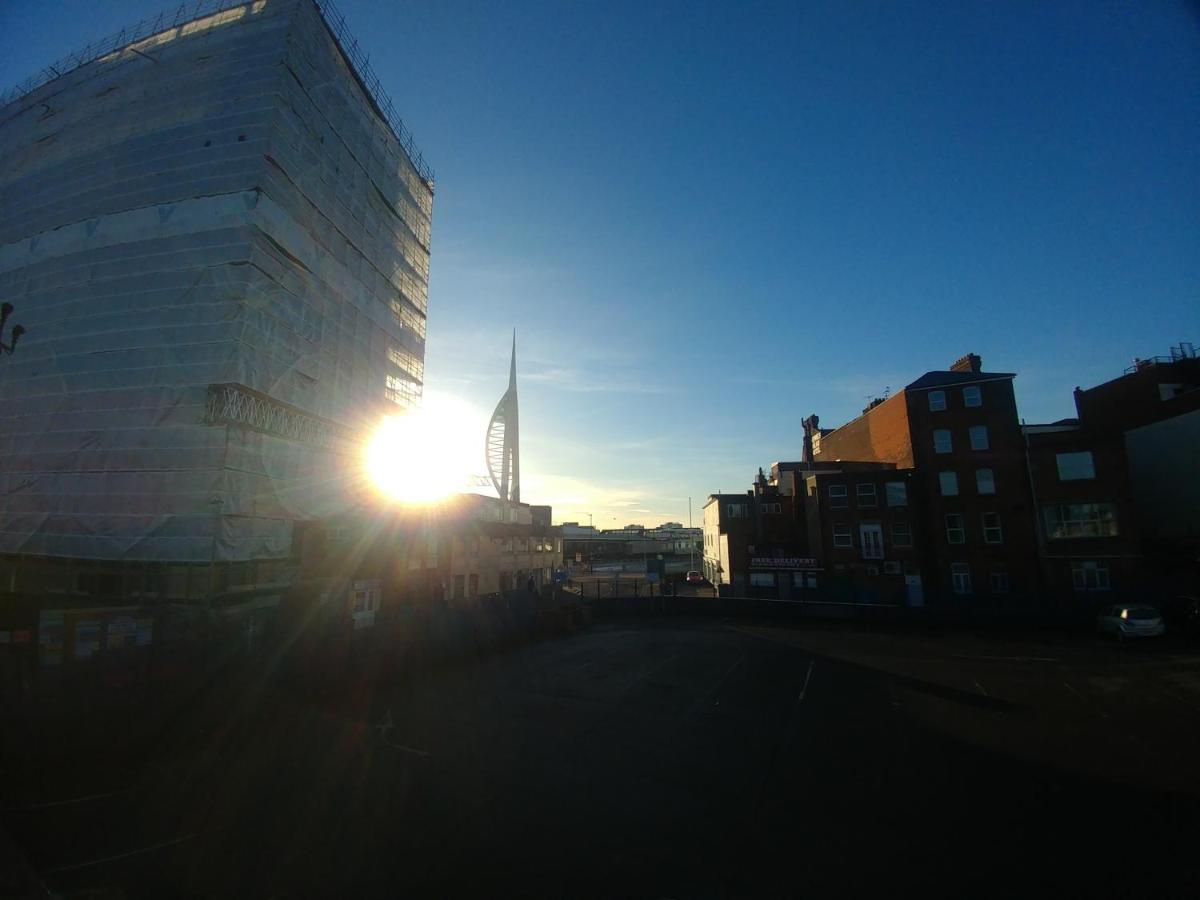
[{"x": 709, "y": 220}]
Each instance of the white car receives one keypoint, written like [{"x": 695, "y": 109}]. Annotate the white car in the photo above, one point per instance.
[{"x": 1130, "y": 620}]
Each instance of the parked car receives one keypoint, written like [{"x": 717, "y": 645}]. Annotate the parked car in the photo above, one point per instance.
[
  {"x": 695, "y": 577},
  {"x": 1182, "y": 615},
  {"x": 1130, "y": 620}
]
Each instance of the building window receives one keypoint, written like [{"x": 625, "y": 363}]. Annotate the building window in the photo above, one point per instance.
[
  {"x": 891, "y": 567},
  {"x": 979, "y": 437},
  {"x": 837, "y": 496},
  {"x": 985, "y": 481},
  {"x": 804, "y": 579},
  {"x": 735, "y": 510},
  {"x": 972, "y": 396},
  {"x": 866, "y": 494},
  {"x": 897, "y": 493},
  {"x": 954, "y": 529},
  {"x": 937, "y": 401},
  {"x": 941, "y": 441},
  {"x": 841, "y": 536},
  {"x": 459, "y": 586},
  {"x": 1087, "y": 576},
  {"x": 960, "y": 576},
  {"x": 1072, "y": 520},
  {"x": 992, "y": 533},
  {"x": 1075, "y": 466},
  {"x": 901, "y": 534},
  {"x": 762, "y": 579},
  {"x": 948, "y": 482},
  {"x": 998, "y": 581},
  {"x": 771, "y": 507},
  {"x": 870, "y": 538}
]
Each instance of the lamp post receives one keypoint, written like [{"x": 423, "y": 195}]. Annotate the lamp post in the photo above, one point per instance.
[
  {"x": 691, "y": 540},
  {"x": 6, "y": 310}
]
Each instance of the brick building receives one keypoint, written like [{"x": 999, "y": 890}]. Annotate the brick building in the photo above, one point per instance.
[
  {"x": 1088, "y": 540},
  {"x": 959, "y": 432},
  {"x": 860, "y": 525},
  {"x": 1152, "y": 412},
  {"x": 751, "y": 540}
]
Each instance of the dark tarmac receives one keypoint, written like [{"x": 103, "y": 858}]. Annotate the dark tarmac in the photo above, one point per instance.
[{"x": 681, "y": 759}]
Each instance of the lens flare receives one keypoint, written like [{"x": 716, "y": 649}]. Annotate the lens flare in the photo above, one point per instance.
[{"x": 424, "y": 455}]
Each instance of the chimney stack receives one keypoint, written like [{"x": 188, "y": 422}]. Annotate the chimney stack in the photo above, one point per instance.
[{"x": 969, "y": 363}]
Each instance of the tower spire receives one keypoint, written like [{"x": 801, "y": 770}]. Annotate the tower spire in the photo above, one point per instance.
[
  {"x": 503, "y": 443},
  {"x": 512, "y": 368}
]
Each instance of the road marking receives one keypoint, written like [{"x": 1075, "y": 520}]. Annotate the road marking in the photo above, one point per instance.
[
  {"x": 808, "y": 675},
  {"x": 979, "y": 687},
  {"x": 68, "y": 802},
  {"x": 118, "y": 856},
  {"x": 1045, "y": 659}
]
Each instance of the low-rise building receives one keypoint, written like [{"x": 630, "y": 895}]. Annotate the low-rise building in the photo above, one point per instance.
[
  {"x": 863, "y": 527},
  {"x": 752, "y": 540},
  {"x": 631, "y": 546}
]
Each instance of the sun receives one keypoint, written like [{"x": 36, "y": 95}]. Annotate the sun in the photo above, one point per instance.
[{"x": 426, "y": 454}]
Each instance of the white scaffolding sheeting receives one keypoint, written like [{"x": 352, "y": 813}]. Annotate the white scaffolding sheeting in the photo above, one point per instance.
[{"x": 220, "y": 252}]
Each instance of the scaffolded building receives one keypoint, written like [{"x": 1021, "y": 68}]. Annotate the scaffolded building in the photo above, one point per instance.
[{"x": 215, "y": 231}]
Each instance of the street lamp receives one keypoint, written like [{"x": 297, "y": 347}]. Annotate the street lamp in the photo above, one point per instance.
[{"x": 17, "y": 330}]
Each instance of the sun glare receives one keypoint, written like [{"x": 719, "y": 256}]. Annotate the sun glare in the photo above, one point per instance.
[{"x": 427, "y": 454}]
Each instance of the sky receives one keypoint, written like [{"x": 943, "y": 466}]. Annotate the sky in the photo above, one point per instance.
[{"x": 707, "y": 221}]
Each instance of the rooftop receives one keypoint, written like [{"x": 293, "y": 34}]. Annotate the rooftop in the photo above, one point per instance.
[{"x": 950, "y": 378}]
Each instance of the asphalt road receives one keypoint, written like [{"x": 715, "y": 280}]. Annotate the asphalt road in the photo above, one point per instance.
[{"x": 665, "y": 759}]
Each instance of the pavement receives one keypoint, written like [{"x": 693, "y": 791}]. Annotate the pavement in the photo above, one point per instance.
[{"x": 660, "y": 758}]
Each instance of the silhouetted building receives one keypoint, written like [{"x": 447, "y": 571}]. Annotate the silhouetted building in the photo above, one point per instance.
[
  {"x": 752, "y": 541},
  {"x": 958, "y": 431},
  {"x": 1151, "y": 416}
]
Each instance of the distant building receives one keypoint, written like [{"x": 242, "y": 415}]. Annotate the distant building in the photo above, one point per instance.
[
  {"x": 467, "y": 547},
  {"x": 630, "y": 546}
]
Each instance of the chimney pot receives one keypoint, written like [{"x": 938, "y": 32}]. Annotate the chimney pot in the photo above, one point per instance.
[{"x": 969, "y": 363}]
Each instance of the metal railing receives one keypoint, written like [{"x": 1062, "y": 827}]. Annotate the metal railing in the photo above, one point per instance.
[
  {"x": 360, "y": 63},
  {"x": 195, "y": 9},
  {"x": 236, "y": 404},
  {"x": 186, "y": 12}
]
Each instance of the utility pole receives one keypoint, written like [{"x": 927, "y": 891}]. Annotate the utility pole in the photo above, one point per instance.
[{"x": 691, "y": 540}]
